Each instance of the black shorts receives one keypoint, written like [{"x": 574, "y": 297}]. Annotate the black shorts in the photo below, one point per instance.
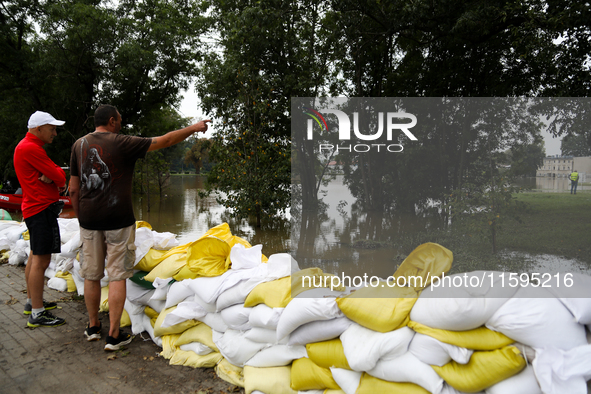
[{"x": 44, "y": 232}]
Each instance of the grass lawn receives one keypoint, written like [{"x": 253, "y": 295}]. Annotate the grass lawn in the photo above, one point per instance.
[{"x": 553, "y": 223}]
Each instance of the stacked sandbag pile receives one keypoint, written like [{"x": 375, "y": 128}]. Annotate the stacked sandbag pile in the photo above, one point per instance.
[{"x": 219, "y": 302}]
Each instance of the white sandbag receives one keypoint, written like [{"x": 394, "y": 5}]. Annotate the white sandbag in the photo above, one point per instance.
[
  {"x": 161, "y": 287},
  {"x": 196, "y": 347},
  {"x": 538, "y": 322},
  {"x": 364, "y": 347},
  {"x": 10, "y": 232},
  {"x": 177, "y": 293},
  {"x": 304, "y": 310},
  {"x": 234, "y": 346},
  {"x": 347, "y": 380},
  {"x": 136, "y": 316},
  {"x": 434, "y": 352},
  {"x": 563, "y": 371},
  {"x": 264, "y": 316},
  {"x": 64, "y": 264},
  {"x": 58, "y": 284},
  {"x": 215, "y": 321},
  {"x": 70, "y": 248},
  {"x": 183, "y": 312},
  {"x": 277, "y": 356},
  {"x": 574, "y": 294},
  {"x": 264, "y": 335},
  {"x": 78, "y": 280},
  {"x": 18, "y": 253},
  {"x": 157, "y": 305},
  {"x": 408, "y": 368},
  {"x": 524, "y": 382},
  {"x": 318, "y": 331},
  {"x": 237, "y": 294},
  {"x": 49, "y": 273},
  {"x": 236, "y": 317},
  {"x": 150, "y": 330},
  {"x": 137, "y": 293},
  {"x": 245, "y": 258},
  {"x": 457, "y": 304}
]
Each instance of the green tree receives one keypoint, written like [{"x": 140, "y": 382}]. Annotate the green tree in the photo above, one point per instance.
[
  {"x": 198, "y": 154},
  {"x": 575, "y": 145},
  {"x": 266, "y": 55},
  {"x": 66, "y": 57}
]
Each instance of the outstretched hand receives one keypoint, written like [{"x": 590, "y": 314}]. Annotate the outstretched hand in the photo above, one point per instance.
[{"x": 201, "y": 125}]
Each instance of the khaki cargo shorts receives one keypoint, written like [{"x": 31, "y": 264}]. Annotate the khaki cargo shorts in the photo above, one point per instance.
[{"x": 110, "y": 249}]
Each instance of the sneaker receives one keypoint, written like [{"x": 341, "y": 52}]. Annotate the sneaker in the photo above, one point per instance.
[
  {"x": 45, "y": 319},
  {"x": 116, "y": 343},
  {"x": 47, "y": 305},
  {"x": 93, "y": 333}
]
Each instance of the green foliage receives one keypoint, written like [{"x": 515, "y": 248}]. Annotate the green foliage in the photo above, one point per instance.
[
  {"x": 484, "y": 209},
  {"x": 198, "y": 154},
  {"x": 66, "y": 57},
  {"x": 575, "y": 145}
]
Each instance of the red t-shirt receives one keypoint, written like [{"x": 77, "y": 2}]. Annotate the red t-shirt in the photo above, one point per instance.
[
  {"x": 30, "y": 162},
  {"x": 105, "y": 163}
]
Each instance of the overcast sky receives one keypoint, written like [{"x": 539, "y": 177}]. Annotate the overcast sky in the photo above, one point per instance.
[{"x": 189, "y": 108}]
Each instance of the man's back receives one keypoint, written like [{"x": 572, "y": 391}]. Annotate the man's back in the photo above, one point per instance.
[{"x": 105, "y": 162}]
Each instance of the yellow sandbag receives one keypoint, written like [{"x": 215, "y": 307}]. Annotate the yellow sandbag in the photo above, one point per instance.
[
  {"x": 69, "y": 280},
  {"x": 125, "y": 319},
  {"x": 168, "y": 347},
  {"x": 311, "y": 278},
  {"x": 141, "y": 223},
  {"x": 484, "y": 369},
  {"x": 200, "y": 333},
  {"x": 275, "y": 380},
  {"x": 274, "y": 294},
  {"x": 176, "y": 329},
  {"x": 152, "y": 314},
  {"x": 371, "y": 385},
  {"x": 427, "y": 261},
  {"x": 381, "y": 309},
  {"x": 208, "y": 256},
  {"x": 192, "y": 359},
  {"x": 230, "y": 373},
  {"x": 480, "y": 338},
  {"x": 155, "y": 257},
  {"x": 26, "y": 235},
  {"x": 328, "y": 354},
  {"x": 104, "y": 305},
  {"x": 305, "y": 375},
  {"x": 278, "y": 293},
  {"x": 169, "y": 267}
]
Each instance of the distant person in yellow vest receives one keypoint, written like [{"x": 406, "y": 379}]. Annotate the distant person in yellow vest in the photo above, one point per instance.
[{"x": 574, "y": 180}]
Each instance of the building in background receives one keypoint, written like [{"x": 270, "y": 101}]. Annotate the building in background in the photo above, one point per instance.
[{"x": 561, "y": 166}]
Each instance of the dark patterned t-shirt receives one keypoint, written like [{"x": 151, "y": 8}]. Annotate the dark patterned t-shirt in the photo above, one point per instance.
[{"x": 105, "y": 163}]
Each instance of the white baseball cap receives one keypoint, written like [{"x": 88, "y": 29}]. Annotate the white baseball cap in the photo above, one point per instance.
[{"x": 41, "y": 118}]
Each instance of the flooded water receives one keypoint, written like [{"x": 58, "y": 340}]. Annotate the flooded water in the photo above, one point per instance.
[
  {"x": 549, "y": 185},
  {"x": 341, "y": 240}
]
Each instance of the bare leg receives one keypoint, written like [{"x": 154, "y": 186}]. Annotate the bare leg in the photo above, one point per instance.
[
  {"x": 27, "y": 270},
  {"x": 92, "y": 298},
  {"x": 117, "y": 294},
  {"x": 36, "y": 280}
]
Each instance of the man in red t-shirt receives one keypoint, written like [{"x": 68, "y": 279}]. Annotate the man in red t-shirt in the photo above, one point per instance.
[
  {"x": 41, "y": 181},
  {"x": 101, "y": 173}
]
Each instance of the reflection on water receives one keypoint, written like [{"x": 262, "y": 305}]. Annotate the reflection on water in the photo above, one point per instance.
[
  {"x": 549, "y": 184},
  {"x": 341, "y": 240},
  {"x": 344, "y": 240},
  {"x": 182, "y": 212}
]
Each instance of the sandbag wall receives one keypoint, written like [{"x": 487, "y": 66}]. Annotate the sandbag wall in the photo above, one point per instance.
[{"x": 219, "y": 302}]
